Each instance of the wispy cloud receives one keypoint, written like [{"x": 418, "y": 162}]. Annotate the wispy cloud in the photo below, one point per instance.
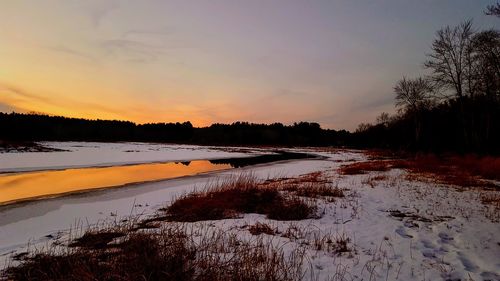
[
  {"x": 72, "y": 52},
  {"x": 98, "y": 11},
  {"x": 149, "y": 32},
  {"x": 144, "y": 45},
  {"x": 374, "y": 103},
  {"x": 64, "y": 103},
  {"x": 16, "y": 91},
  {"x": 132, "y": 50},
  {"x": 285, "y": 93}
]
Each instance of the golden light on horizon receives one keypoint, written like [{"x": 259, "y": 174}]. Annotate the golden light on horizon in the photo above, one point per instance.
[{"x": 174, "y": 61}]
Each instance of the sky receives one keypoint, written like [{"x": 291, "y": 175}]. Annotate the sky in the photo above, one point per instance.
[{"x": 331, "y": 62}]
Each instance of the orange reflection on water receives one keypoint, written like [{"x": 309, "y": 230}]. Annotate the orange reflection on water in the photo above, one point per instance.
[{"x": 20, "y": 186}]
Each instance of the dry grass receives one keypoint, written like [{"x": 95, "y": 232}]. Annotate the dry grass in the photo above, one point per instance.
[
  {"x": 260, "y": 228},
  {"x": 172, "y": 253},
  {"x": 384, "y": 154},
  {"x": 157, "y": 248},
  {"x": 491, "y": 199},
  {"x": 337, "y": 244},
  {"x": 236, "y": 196},
  {"x": 373, "y": 180},
  {"x": 96, "y": 240},
  {"x": 313, "y": 185},
  {"x": 463, "y": 171},
  {"x": 365, "y": 167},
  {"x": 491, "y": 202},
  {"x": 487, "y": 167}
]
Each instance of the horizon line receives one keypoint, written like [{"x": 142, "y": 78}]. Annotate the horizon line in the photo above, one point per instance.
[{"x": 288, "y": 124}]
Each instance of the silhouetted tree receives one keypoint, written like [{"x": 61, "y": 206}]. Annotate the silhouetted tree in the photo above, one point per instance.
[
  {"x": 493, "y": 10},
  {"x": 450, "y": 62},
  {"x": 486, "y": 62},
  {"x": 486, "y": 71},
  {"x": 383, "y": 119},
  {"x": 451, "y": 51},
  {"x": 413, "y": 96},
  {"x": 35, "y": 127}
]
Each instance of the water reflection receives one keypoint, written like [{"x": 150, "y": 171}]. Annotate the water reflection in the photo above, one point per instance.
[
  {"x": 20, "y": 186},
  {"x": 265, "y": 158},
  {"x": 28, "y": 185}
]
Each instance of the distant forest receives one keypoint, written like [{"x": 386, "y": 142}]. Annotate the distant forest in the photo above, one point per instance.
[
  {"x": 454, "y": 108},
  {"x": 36, "y": 127}
]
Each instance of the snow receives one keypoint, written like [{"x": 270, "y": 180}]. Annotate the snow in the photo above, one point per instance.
[
  {"x": 447, "y": 234},
  {"x": 98, "y": 154},
  {"x": 33, "y": 221}
]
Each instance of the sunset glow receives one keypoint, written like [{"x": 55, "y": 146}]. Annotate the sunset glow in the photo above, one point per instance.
[{"x": 216, "y": 61}]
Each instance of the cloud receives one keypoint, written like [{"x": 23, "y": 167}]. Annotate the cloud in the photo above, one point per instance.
[
  {"x": 98, "y": 11},
  {"x": 144, "y": 45},
  {"x": 285, "y": 93},
  {"x": 132, "y": 50},
  {"x": 61, "y": 102},
  {"x": 368, "y": 104},
  {"x": 13, "y": 90},
  {"x": 72, "y": 52},
  {"x": 140, "y": 32}
]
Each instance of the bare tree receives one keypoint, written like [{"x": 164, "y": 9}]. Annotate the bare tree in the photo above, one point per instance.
[
  {"x": 493, "y": 10},
  {"x": 451, "y": 62},
  {"x": 383, "y": 119},
  {"x": 486, "y": 63},
  {"x": 413, "y": 94},
  {"x": 451, "y": 53},
  {"x": 412, "y": 97},
  {"x": 363, "y": 127}
]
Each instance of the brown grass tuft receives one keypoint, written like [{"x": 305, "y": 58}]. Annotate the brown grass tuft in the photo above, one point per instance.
[
  {"x": 464, "y": 171},
  {"x": 260, "y": 228},
  {"x": 238, "y": 196},
  {"x": 172, "y": 253},
  {"x": 313, "y": 185},
  {"x": 96, "y": 240},
  {"x": 364, "y": 167},
  {"x": 337, "y": 244},
  {"x": 372, "y": 180},
  {"x": 492, "y": 199}
]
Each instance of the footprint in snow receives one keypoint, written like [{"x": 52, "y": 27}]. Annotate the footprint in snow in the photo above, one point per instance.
[
  {"x": 427, "y": 244},
  {"x": 402, "y": 232},
  {"x": 429, "y": 253},
  {"x": 468, "y": 264},
  {"x": 490, "y": 276},
  {"x": 445, "y": 237}
]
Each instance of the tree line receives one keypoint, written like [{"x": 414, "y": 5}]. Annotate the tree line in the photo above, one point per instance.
[
  {"x": 456, "y": 107},
  {"x": 37, "y": 127}
]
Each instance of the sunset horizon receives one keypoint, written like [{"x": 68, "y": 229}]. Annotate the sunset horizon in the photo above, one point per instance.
[
  {"x": 332, "y": 63},
  {"x": 250, "y": 140}
]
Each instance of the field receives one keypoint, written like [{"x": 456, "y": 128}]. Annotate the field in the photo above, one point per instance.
[{"x": 350, "y": 215}]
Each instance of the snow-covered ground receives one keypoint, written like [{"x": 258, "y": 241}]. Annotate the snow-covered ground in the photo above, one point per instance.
[
  {"x": 98, "y": 154},
  {"x": 398, "y": 229},
  {"x": 38, "y": 221}
]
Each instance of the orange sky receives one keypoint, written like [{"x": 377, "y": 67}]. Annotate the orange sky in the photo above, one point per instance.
[{"x": 329, "y": 62}]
